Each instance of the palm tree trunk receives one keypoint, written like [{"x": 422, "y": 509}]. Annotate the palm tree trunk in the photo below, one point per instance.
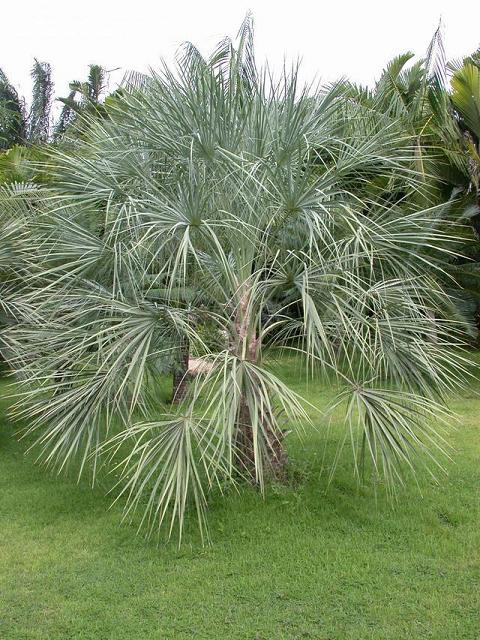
[
  {"x": 180, "y": 373},
  {"x": 275, "y": 458},
  {"x": 274, "y": 453}
]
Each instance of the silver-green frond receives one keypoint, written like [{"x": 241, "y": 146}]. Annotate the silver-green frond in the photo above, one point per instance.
[{"x": 277, "y": 216}]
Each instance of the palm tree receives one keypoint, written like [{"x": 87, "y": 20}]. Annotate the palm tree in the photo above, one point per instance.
[
  {"x": 17, "y": 125},
  {"x": 21, "y": 127},
  {"x": 12, "y": 115},
  {"x": 42, "y": 94},
  {"x": 292, "y": 216},
  {"x": 83, "y": 96}
]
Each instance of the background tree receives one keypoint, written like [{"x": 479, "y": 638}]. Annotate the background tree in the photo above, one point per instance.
[
  {"x": 19, "y": 126},
  {"x": 83, "y": 96},
  {"x": 420, "y": 96},
  {"x": 38, "y": 122},
  {"x": 456, "y": 127},
  {"x": 12, "y": 115}
]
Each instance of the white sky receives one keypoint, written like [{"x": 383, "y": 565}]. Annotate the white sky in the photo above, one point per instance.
[{"x": 332, "y": 38}]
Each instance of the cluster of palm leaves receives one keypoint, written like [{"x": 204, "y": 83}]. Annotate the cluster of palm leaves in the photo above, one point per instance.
[
  {"x": 439, "y": 103},
  {"x": 83, "y": 97},
  {"x": 25, "y": 132},
  {"x": 19, "y": 126},
  {"x": 277, "y": 216}
]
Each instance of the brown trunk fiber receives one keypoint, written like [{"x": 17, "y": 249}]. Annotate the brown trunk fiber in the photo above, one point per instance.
[
  {"x": 275, "y": 455},
  {"x": 245, "y": 441},
  {"x": 180, "y": 373}
]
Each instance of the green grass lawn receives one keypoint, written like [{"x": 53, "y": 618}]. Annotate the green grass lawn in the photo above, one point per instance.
[{"x": 305, "y": 563}]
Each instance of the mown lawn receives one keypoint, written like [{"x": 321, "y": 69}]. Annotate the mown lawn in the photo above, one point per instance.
[{"x": 305, "y": 563}]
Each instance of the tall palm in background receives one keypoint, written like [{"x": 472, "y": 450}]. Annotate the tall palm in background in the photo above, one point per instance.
[
  {"x": 293, "y": 218},
  {"x": 39, "y": 116},
  {"x": 83, "y": 96},
  {"x": 12, "y": 115},
  {"x": 19, "y": 126}
]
